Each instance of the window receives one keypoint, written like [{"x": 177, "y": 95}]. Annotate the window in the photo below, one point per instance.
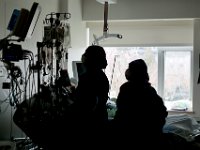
[
  {"x": 169, "y": 71},
  {"x": 177, "y": 71}
]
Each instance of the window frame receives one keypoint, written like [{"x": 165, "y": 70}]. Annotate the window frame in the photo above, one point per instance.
[
  {"x": 161, "y": 65},
  {"x": 161, "y": 60}
]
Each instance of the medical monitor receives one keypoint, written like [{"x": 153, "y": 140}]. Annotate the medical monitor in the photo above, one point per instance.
[
  {"x": 13, "y": 19},
  {"x": 32, "y": 20},
  {"x": 24, "y": 21}
]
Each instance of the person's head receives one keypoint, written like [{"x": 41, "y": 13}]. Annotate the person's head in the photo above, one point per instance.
[
  {"x": 94, "y": 57},
  {"x": 137, "y": 71}
]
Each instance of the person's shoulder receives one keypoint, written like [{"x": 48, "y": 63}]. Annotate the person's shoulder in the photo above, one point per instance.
[
  {"x": 84, "y": 77},
  {"x": 152, "y": 89},
  {"x": 101, "y": 76},
  {"x": 125, "y": 85}
]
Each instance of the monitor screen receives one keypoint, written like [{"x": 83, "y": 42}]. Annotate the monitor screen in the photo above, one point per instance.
[
  {"x": 32, "y": 20},
  {"x": 13, "y": 19},
  {"x": 20, "y": 23},
  {"x": 78, "y": 69},
  {"x": 26, "y": 21}
]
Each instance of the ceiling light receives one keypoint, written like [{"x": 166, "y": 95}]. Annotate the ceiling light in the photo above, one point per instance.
[{"x": 109, "y": 1}]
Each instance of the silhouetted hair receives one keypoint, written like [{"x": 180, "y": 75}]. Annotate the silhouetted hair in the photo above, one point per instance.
[
  {"x": 94, "y": 57},
  {"x": 137, "y": 71}
]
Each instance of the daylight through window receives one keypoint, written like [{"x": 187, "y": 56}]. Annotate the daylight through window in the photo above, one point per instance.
[{"x": 169, "y": 70}]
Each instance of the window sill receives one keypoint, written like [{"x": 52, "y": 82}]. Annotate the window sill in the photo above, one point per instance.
[{"x": 180, "y": 112}]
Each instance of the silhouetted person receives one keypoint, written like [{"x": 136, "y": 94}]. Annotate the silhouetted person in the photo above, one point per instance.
[
  {"x": 140, "y": 114},
  {"x": 92, "y": 95}
]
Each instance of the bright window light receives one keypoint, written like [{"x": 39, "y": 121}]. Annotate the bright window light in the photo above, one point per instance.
[{"x": 172, "y": 80}]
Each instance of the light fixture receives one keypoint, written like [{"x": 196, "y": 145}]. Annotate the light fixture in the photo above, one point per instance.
[
  {"x": 109, "y": 1},
  {"x": 105, "y": 26}
]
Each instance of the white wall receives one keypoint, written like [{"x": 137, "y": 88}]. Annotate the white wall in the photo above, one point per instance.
[
  {"x": 78, "y": 32},
  {"x": 2, "y": 18},
  {"x": 145, "y": 33},
  {"x": 142, "y": 9},
  {"x": 196, "y": 68}
]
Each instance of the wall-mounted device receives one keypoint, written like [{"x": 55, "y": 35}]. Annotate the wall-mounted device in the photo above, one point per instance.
[
  {"x": 22, "y": 24},
  {"x": 105, "y": 26},
  {"x": 109, "y": 1},
  {"x": 13, "y": 19},
  {"x": 26, "y": 22}
]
